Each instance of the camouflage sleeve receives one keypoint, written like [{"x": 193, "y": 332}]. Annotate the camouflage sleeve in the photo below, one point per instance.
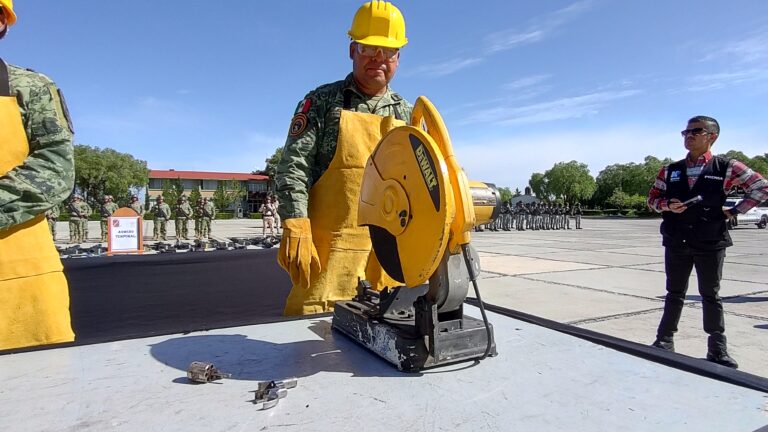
[
  {"x": 408, "y": 110},
  {"x": 47, "y": 175},
  {"x": 294, "y": 171}
]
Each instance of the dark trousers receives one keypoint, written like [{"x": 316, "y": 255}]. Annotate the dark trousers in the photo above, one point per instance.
[{"x": 678, "y": 262}]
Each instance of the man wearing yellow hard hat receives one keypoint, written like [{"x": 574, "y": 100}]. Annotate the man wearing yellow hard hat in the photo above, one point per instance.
[
  {"x": 333, "y": 132},
  {"x": 36, "y": 173}
]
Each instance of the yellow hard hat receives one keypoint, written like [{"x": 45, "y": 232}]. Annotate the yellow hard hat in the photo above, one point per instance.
[
  {"x": 10, "y": 15},
  {"x": 379, "y": 23}
]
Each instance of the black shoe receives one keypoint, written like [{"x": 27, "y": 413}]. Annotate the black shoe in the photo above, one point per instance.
[
  {"x": 722, "y": 358},
  {"x": 667, "y": 344}
]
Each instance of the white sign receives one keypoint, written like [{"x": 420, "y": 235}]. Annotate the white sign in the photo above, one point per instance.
[{"x": 124, "y": 233}]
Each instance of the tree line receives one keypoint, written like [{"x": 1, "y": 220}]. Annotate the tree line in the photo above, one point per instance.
[
  {"x": 618, "y": 186},
  {"x": 100, "y": 172}
]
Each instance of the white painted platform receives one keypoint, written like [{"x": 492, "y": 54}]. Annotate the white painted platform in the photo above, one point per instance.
[{"x": 541, "y": 381}]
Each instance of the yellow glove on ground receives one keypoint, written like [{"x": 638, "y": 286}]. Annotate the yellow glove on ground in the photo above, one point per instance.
[{"x": 297, "y": 254}]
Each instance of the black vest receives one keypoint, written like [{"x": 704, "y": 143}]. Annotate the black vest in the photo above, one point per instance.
[{"x": 702, "y": 225}]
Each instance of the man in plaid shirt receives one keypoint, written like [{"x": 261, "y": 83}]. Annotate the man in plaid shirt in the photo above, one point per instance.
[{"x": 696, "y": 234}]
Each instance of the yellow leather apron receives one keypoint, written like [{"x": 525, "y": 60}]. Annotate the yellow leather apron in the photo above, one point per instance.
[
  {"x": 34, "y": 296},
  {"x": 343, "y": 247}
]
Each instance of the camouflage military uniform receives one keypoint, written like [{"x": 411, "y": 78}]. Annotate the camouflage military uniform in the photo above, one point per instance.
[
  {"x": 162, "y": 212},
  {"x": 78, "y": 220},
  {"x": 137, "y": 207},
  {"x": 74, "y": 225},
  {"x": 576, "y": 212},
  {"x": 86, "y": 213},
  {"x": 47, "y": 175},
  {"x": 208, "y": 211},
  {"x": 308, "y": 154},
  {"x": 52, "y": 215},
  {"x": 106, "y": 210},
  {"x": 198, "y": 219},
  {"x": 183, "y": 212}
]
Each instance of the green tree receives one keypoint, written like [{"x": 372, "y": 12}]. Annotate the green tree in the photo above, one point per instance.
[
  {"x": 106, "y": 171},
  {"x": 228, "y": 193},
  {"x": 570, "y": 181},
  {"x": 631, "y": 178},
  {"x": 618, "y": 199},
  {"x": 172, "y": 190},
  {"x": 538, "y": 184},
  {"x": 758, "y": 163},
  {"x": 270, "y": 166},
  {"x": 194, "y": 196},
  {"x": 506, "y": 194},
  {"x": 517, "y": 193}
]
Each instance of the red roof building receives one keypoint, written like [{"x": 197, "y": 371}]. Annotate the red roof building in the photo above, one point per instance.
[{"x": 206, "y": 182}]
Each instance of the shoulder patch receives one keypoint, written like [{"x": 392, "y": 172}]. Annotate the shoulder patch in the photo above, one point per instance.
[
  {"x": 304, "y": 106},
  {"x": 298, "y": 124}
]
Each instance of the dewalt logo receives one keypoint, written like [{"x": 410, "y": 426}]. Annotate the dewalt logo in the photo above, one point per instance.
[{"x": 427, "y": 168}]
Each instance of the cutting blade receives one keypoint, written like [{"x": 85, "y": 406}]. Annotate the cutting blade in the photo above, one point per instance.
[{"x": 408, "y": 204}]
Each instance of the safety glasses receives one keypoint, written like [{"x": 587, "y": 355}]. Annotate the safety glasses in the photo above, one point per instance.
[{"x": 372, "y": 50}]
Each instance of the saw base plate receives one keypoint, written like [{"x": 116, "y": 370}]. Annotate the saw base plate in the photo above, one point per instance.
[{"x": 418, "y": 339}]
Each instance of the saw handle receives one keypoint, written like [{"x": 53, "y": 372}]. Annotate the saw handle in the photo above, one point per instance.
[{"x": 426, "y": 117}]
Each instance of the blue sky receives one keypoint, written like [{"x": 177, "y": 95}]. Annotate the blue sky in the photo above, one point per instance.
[{"x": 203, "y": 85}]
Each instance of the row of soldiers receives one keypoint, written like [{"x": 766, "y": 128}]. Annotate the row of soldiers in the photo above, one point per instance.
[
  {"x": 203, "y": 214},
  {"x": 80, "y": 211},
  {"x": 535, "y": 216}
]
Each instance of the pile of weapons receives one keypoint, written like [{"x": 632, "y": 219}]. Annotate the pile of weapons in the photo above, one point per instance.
[{"x": 259, "y": 242}]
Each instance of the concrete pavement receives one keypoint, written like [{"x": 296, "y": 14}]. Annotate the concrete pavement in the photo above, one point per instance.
[{"x": 608, "y": 277}]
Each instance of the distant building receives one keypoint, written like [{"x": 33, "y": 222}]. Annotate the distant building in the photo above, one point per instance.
[
  {"x": 527, "y": 198},
  {"x": 206, "y": 182}
]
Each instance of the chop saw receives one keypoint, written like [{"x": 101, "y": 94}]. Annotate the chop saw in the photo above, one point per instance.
[{"x": 420, "y": 209}]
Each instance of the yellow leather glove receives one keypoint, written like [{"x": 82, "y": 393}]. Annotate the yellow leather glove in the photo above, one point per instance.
[{"x": 297, "y": 254}]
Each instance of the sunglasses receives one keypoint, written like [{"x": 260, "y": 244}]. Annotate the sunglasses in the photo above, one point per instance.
[
  {"x": 694, "y": 132},
  {"x": 371, "y": 51}
]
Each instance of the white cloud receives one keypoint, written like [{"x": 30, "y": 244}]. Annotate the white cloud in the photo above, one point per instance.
[
  {"x": 444, "y": 68},
  {"x": 559, "y": 109},
  {"x": 727, "y": 79},
  {"x": 538, "y": 30},
  {"x": 526, "y": 82},
  {"x": 507, "y": 39},
  {"x": 752, "y": 48}
]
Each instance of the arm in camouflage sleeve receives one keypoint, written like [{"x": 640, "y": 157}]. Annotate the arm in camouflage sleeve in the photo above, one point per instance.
[
  {"x": 47, "y": 175},
  {"x": 293, "y": 176}
]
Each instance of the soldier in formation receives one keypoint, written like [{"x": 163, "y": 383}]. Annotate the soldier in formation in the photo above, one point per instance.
[
  {"x": 198, "y": 215},
  {"x": 162, "y": 213},
  {"x": 79, "y": 211},
  {"x": 208, "y": 213},
  {"x": 106, "y": 209},
  {"x": 183, "y": 212},
  {"x": 576, "y": 212},
  {"x": 520, "y": 216},
  {"x": 52, "y": 215},
  {"x": 136, "y": 206}
]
